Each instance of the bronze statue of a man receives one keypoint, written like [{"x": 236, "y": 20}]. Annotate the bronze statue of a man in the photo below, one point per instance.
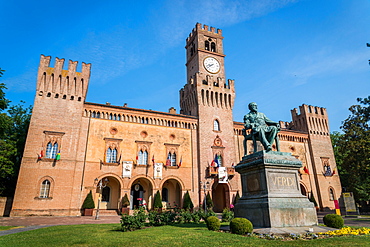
[{"x": 262, "y": 129}]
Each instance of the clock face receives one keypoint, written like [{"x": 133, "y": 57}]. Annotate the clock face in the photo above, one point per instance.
[{"x": 211, "y": 65}]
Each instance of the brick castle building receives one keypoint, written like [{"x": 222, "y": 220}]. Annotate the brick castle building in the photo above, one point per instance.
[{"x": 73, "y": 144}]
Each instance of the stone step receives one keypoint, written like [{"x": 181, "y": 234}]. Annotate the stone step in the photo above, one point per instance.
[{"x": 107, "y": 212}]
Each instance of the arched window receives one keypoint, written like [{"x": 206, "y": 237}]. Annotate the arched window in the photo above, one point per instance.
[
  {"x": 331, "y": 194},
  {"x": 213, "y": 47},
  {"x": 51, "y": 150},
  {"x": 45, "y": 189},
  {"x": 216, "y": 125},
  {"x": 111, "y": 156},
  {"x": 206, "y": 45},
  {"x": 143, "y": 157},
  {"x": 165, "y": 194}
]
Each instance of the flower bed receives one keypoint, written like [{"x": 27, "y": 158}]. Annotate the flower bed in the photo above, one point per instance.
[{"x": 347, "y": 231}]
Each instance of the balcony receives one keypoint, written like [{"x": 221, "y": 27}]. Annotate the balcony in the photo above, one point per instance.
[{"x": 213, "y": 171}]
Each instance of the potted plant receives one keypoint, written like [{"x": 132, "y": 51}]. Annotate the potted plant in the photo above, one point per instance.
[
  {"x": 125, "y": 205},
  {"x": 88, "y": 205}
]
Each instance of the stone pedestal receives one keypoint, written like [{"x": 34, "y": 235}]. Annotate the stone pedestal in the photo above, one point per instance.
[{"x": 271, "y": 195}]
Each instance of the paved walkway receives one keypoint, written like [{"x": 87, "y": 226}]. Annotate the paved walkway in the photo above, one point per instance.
[{"x": 36, "y": 222}]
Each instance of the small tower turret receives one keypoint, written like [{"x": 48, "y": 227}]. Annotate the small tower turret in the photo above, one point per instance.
[{"x": 314, "y": 121}]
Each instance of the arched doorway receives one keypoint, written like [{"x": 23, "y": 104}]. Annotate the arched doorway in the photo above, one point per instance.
[
  {"x": 171, "y": 193},
  {"x": 141, "y": 193},
  {"x": 220, "y": 196},
  {"x": 110, "y": 193}
]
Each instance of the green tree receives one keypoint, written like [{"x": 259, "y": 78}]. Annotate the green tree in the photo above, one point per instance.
[
  {"x": 89, "y": 201},
  {"x": 336, "y": 139},
  {"x": 353, "y": 148},
  {"x": 14, "y": 124},
  {"x": 209, "y": 201},
  {"x": 188, "y": 204},
  {"x": 157, "y": 200}
]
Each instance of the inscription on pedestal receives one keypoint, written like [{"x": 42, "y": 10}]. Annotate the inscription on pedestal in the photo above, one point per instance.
[{"x": 282, "y": 181}]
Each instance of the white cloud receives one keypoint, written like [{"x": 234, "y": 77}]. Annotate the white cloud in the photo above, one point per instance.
[{"x": 324, "y": 62}]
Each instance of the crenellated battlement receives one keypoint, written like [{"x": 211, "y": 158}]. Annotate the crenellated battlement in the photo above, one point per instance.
[
  {"x": 58, "y": 83},
  {"x": 204, "y": 28},
  {"x": 309, "y": 109},
  {"x": 312, "y": 119}
]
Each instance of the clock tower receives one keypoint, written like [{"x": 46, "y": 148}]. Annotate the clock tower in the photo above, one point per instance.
[{"x": 210, "y": 97}]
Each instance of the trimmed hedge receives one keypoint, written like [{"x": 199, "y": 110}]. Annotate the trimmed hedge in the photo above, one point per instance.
[
  {"x": 333, "y": 220},
  {"x": 213, "y": 223},
  {"x": 188, "y": 204},
  {"x": 157, "y": 200},
  {"x": 209, "y": 201},
  {"x": 241, "y": 226},
  {"x": 88, "y": 202}
]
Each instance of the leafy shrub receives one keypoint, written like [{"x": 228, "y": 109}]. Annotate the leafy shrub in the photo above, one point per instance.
[
  {"x": 88, "y": 202},
  {"x": 129, "y": 223},
  {"x": 213, "y": 223},
  {"x": 157, "y": 200},
  {"x": 201, "y": 214},
  {"x": 135, "y": 221},
  {"x": 209, "y": 213},
  {"x": 241, "y": 226},
  {"x": 140, "y": 215},
  {"x": 156, "y": 218},
  {"x": 195, "y": 217},
  {"x": 188, "y": 204},
  {"x": 333, "y": 220},
  {"x": 169, "y": 217},
  {"x": 186, "y": 214},
  {"x": 227, "y": 215}
]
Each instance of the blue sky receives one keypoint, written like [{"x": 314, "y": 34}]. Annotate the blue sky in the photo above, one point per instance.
[{"x": 281, "y": 54}]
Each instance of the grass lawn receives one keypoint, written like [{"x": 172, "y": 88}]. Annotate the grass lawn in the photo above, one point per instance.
[
  {"x": 177, "y": 235},
  {"x": 3, "y": 228}
]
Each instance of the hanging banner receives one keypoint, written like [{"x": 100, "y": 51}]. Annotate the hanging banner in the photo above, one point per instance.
[
  {"x": 158, "y": 170},
  {"x": 222, "y": 175},
  {"x": 126, "y": 169}
]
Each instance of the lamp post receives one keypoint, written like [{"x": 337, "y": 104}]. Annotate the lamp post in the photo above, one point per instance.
[
  {"x": 100, "y": 184},
  {"x": 205, "y": 187}
]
